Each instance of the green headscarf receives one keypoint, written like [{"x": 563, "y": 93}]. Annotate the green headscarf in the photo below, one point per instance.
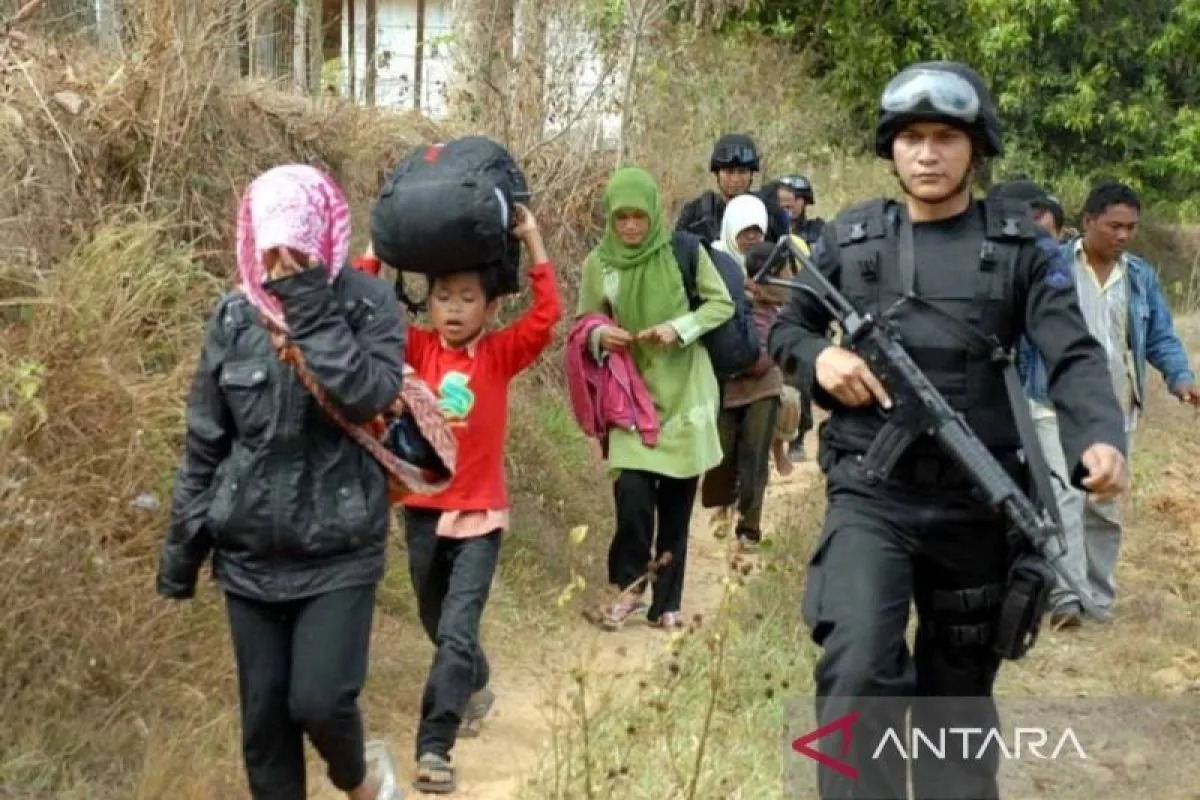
[
  {"x": 650, "y": 289},
  {"x": 632, "y": 188}
]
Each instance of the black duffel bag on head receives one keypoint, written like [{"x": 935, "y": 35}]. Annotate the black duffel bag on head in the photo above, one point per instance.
[{"x": 450, "y": 207}]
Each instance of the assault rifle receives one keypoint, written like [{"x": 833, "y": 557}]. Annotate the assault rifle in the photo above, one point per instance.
[{"x": 919, "y": 408}]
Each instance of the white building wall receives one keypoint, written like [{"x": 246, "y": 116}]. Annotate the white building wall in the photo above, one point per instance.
[{"x": 574, "y": 68}]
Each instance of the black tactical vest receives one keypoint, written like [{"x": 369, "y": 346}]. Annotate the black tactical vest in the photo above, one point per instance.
[{"x": 869, "y": 240}]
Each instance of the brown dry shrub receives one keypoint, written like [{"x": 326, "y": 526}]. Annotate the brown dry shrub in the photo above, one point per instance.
[{"x": 116, "y": 229}]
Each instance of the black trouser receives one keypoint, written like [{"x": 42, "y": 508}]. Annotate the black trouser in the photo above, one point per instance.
[
  {"x": 639, "y": 496},
  {"x": 301, "y": 666},
  {"x": 803, "y": 384},
  {"x": 452, "y": 579},
  {"x": 746, "y": 435},
  {"x": 884, "y": 546}
]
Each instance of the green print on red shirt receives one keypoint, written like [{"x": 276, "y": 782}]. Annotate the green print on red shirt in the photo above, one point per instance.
[{"x": 455, "y": 397}]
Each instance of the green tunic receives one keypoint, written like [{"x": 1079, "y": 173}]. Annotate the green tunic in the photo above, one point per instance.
[{"x": 641, "y": 287}]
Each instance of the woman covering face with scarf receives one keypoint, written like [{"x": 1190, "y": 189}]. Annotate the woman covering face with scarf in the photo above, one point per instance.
[
  {"x": 633, "y": 277},
  {"x": 294, "y": 512}
]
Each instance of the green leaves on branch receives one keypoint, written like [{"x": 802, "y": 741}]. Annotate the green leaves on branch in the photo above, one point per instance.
[{"x": 1085, "y": 87}]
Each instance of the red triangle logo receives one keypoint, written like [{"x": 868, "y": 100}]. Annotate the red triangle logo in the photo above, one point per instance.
[{"x": 844, "y": 724}]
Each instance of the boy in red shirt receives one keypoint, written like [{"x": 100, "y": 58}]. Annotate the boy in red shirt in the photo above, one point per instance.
[{"x": 454, "y": 536}]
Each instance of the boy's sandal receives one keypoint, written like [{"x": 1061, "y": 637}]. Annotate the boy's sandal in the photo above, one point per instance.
[
  {"x": 478, "y": 707},
  {"x": 435, "y": 775}
]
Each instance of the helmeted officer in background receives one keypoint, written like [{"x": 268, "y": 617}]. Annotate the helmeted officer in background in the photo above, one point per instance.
[
  {"x": 802, "y": 198},
  {"x": 920, "y": 534},
  {"x": 734, "y": 162}
]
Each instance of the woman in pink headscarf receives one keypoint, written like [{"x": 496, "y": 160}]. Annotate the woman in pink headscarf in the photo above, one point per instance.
[{"x": 294, "y": 512}]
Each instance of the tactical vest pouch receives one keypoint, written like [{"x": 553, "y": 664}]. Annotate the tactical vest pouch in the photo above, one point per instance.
[{"x": 1026, "y": 600}]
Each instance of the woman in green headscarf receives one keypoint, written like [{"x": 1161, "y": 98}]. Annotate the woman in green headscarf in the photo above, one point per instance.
[{"x": 633, "y": 277}]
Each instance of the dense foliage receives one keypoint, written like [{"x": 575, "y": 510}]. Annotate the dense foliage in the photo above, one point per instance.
[{"x": 1086, "y": 87}]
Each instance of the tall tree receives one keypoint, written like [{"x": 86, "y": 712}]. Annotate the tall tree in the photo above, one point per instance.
[{"x": 482, "y": 55}]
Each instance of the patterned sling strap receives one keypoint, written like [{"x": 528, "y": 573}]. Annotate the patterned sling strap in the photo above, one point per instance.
[{"x": 417, "y": 398}]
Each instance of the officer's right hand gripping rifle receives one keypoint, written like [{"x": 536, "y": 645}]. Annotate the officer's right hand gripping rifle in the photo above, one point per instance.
[{"x": 919, "y": 408}]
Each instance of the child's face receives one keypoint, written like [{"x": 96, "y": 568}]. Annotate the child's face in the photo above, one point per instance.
[{"x": 459, "y": 307}]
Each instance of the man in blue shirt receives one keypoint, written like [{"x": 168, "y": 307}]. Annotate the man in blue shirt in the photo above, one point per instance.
[{"x": 1126, "y": 312}]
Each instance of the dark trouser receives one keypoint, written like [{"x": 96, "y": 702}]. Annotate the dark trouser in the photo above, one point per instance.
[
  {"x": 803, "y": 385},
  {"x": 301, "y": 665},
  {"x": 452, "y": 579},
  {"x": 746, "y": 435},
  {"x": 884, "y": 546},
  {"x": 638, "y": 496}
]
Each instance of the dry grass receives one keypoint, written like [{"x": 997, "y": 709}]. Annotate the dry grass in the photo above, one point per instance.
[{"x": 116, "y": 230}]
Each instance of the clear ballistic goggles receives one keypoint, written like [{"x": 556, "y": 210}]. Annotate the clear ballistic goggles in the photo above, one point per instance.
[
  {"x": 920, "y": 89},
  {"x": 797, "y": 182},
  {"x": 734, "y": 154}
]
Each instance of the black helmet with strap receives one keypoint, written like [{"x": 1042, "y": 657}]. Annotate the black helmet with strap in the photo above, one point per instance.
[
  {"x": 802, "y": 186},
  {"x": 938, "y": 91},
  {"x": 734, "y": 150}
]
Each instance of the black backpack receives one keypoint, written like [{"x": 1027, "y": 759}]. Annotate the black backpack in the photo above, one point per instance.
[
  {"x": 449, "y": 207},
  {"x": 733, "y": 346}
]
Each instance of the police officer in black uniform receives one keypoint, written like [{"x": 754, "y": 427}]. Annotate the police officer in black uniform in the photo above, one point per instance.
[
  {"x": 920, "y": 534},
  {"x": 806, "y": 227},
  {"x": 734, "y": 162}
]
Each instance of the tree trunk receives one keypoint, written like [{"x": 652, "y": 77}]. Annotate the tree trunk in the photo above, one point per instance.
[
  {"x": 529, "y": 93},
  {"x": 351, "y": 54},
  {"x": 482, "y": 56},
  {"x": 300, "y": 47},
  {"x": 372, "y": 27},
  {"x": 316, "y": 48},
  {"x": 265, "y": 35}
]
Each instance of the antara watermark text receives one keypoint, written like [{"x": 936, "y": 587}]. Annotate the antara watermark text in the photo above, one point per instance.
[{"x": 980, "y": 743}]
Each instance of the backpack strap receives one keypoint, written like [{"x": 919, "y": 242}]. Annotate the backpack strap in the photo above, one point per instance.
[{"x": 686, "y": 247}]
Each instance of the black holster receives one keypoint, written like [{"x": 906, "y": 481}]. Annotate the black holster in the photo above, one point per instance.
[{"x": 1026, "y": 600}]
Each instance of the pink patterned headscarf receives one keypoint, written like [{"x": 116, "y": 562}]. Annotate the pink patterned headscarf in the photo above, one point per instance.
[{"x": 295, "y": 206}]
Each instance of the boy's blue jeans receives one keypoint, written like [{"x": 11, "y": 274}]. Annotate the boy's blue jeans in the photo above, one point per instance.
[{"x": 451, "y": 579}]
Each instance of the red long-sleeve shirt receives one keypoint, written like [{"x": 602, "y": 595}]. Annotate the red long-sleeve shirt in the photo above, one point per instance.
[{"x": 472, "y": 387}]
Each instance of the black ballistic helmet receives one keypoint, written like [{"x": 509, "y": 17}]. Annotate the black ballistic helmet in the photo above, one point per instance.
[
  {"x": 733, "y": 150},
  {"x": 802, "y": 186},
  {"x": 938, "y": 91}
]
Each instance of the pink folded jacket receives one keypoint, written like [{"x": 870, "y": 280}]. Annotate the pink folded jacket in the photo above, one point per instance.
[{"x": 607, "y": 394}]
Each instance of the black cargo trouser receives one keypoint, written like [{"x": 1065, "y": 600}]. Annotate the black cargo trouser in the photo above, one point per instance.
[
  {"x": 452, "y": 579},
  {"x": 301, "y": 665},
  {"x": 884, "y": 546}
]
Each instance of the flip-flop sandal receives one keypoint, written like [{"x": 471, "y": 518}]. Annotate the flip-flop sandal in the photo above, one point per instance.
[
  {"x": 435, "y": 775},
  {"x": 615, "y": 616},
  {"x": 478, "y": 707},
  {"x": 669, "y": 621}
]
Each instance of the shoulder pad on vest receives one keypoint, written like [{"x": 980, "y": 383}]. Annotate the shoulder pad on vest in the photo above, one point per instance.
[
  {"x": 1007, "y": 218},
  {"x": 867, "y": 220}
]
